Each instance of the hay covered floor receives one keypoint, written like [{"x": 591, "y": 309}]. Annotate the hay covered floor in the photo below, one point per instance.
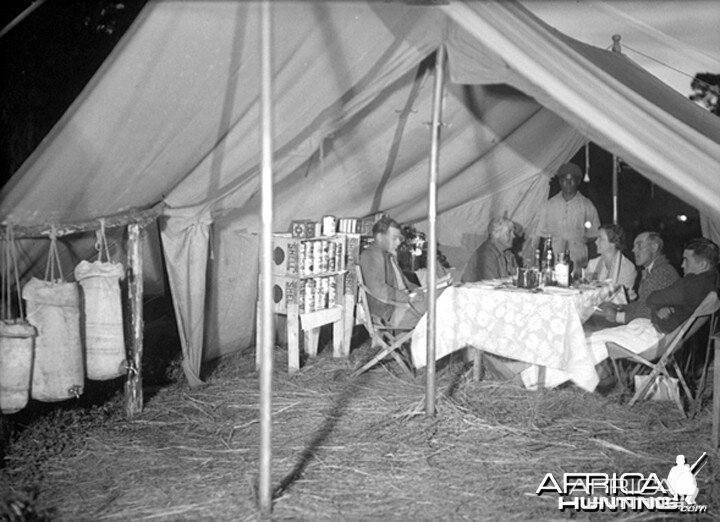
[{"x": 344, "y": 448}]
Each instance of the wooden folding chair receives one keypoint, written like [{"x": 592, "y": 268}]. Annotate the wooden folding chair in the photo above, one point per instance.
[
  {"x": 388, "y": 338},
  {"x": 661, "y": 355}
]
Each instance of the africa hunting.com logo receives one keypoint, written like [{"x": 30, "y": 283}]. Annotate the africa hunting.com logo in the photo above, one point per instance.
[{"x": 628, "y": 491}]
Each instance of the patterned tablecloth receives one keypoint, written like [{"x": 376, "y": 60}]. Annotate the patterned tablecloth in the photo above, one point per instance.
[{"x": 541, "y": 327}]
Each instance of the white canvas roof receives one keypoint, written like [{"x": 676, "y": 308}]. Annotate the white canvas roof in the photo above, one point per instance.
[{"x": 173, "y": 117}]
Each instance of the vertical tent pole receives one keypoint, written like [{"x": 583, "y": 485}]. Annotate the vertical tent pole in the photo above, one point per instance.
[
  {"x": 133, "y": 384},
  {"x": 616, "y": 48},
  {"x": 265, "y": 336},
  {"x": 432, "y": 240},
  {"x": 615, "y": 189}
]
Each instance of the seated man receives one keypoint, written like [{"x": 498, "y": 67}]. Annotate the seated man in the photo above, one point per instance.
[
  {"x": 493, "y": 259},
  {"x": 669, "y": 307},
  {"x": 657, "y": 273},
  {"x": 640, "y": 333},
  {"x": 394, "y": 299}
]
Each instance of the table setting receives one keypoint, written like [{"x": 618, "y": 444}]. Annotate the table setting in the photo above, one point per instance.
[{"x": 540, "y": 325}]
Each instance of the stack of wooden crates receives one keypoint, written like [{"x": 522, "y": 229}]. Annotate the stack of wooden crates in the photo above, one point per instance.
[{"x": 314, "y": 285}]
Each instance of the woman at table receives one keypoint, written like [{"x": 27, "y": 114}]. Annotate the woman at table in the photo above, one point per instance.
[{"x": 611, "y": 263}]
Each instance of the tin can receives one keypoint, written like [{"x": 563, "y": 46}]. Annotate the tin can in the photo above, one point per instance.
[
  {"x": 331, "y": 256},
  {"x": 329, "y": 225}
]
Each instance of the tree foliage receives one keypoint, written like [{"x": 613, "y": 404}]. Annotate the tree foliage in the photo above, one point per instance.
[
  {"x": 47, "y": 59},
  {"x": 706, "y": 91}
]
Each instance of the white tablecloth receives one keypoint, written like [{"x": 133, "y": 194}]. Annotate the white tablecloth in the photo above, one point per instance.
[{"x": 542, "y": 328}]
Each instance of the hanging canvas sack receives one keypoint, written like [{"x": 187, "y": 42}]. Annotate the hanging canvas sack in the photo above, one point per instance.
[
  {"x": 102, "y": 313},
  {"x": 53, "y": 307},
  {"x": 17, "y": 339}
]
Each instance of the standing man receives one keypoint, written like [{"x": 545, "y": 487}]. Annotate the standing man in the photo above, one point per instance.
[
  {"x": 494, "y": 258},
  {"x": 570, "y": 218},
  {"x": 392, "y": 297},
  {"x": 657, "y": 273}
]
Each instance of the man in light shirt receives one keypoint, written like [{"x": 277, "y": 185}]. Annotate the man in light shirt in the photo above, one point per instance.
[{"x": 569, "y": 218}]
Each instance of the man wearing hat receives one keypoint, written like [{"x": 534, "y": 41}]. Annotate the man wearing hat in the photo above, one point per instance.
[{"x": 570, "y": 218}]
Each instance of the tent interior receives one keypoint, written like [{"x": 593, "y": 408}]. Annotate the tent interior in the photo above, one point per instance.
[{"x": 171, "y": 122}]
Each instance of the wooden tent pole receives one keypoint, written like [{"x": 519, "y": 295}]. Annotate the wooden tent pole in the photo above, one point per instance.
[
  {"x": 133, "y": 384},
  {"x": 432, "y": 236},
  {"x": 19, "y": 18},
  {"x": 265, "y": 335},
  {"x": 615, "y": 189},
  {"x": 616, "y": 48}
]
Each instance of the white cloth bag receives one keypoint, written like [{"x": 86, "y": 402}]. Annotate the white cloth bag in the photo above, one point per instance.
[
  {"x": 17, "y": 340},
  {"x": 102, "y": 319},
  {"x": 54, "y": 309}
]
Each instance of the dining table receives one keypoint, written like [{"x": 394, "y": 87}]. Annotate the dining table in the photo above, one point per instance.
[{"x": 542, "y": 327}]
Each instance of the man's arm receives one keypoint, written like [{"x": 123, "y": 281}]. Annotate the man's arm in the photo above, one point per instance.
[
  {"x": 670, "y": 296},
  {"x": 661, "y": 277},
  {"x": 372, "y": 264}
]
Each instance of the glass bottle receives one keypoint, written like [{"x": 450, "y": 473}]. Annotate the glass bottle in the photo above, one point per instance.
[{"x": 562, "y": 271}]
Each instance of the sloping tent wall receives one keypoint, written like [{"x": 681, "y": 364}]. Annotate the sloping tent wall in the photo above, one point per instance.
[{"x": 174, "y": 116}]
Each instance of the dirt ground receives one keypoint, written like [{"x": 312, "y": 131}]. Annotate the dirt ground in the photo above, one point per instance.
[{"x": 344, "y": 448}]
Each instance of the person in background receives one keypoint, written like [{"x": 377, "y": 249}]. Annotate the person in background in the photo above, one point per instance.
[
  {"x": 494, "y": 258},
  {"x": 657, "y": 274},
  {"x": 569, "y": 218},
  {"x": 392, "y": 297},
  {"x": 611, "y": 263}
]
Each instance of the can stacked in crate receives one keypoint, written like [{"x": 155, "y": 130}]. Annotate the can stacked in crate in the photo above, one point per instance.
[
  {"x": 319, "y": 290},
  {"x": 332, "y": 247},
  {"x": 332, "y": 291},
  {"x": 308, "y": 296}
]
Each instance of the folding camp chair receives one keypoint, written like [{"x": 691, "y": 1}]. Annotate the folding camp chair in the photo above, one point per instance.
[
  {"x": 659, "y": 356},
  {"x": 389, "y": 338}
]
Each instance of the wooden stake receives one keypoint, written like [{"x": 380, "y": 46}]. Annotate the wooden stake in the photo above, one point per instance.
[{"x": 134, "y": 341}]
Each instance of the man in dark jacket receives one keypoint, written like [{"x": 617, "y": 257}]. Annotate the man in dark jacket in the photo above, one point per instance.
[
  {"x": 493, "y": 259},
  {"x": 671, "y": 306},
  {"x": 668, "y": 307},
  {"x": 657, "y": 273},
  {"x": 393, "y": 298}
]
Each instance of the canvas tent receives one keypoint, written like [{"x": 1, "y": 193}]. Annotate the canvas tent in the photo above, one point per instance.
[{"x": 171, "y": 121}]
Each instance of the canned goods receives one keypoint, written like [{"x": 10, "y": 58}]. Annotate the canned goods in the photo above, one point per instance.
[{"x": 329, "y": 225}]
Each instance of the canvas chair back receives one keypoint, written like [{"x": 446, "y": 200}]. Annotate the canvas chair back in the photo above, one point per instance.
[
  {"x": 674, "y": 340},
  {"x": 363, "y": 310},
  {"x": 658, "y": 357},
  {"x": 388, "y": 338}
]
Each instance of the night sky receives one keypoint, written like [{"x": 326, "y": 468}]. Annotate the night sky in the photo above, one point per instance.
[
  {"x": 51, "y": 55},
  {"x": 46, "y": 60}
]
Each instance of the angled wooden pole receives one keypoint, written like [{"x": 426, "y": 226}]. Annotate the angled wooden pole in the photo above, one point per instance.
[
  {"x": 432, "y": 236},
  {"x": 134, "y": 342},
  {"x": 265, "y": 335}
]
